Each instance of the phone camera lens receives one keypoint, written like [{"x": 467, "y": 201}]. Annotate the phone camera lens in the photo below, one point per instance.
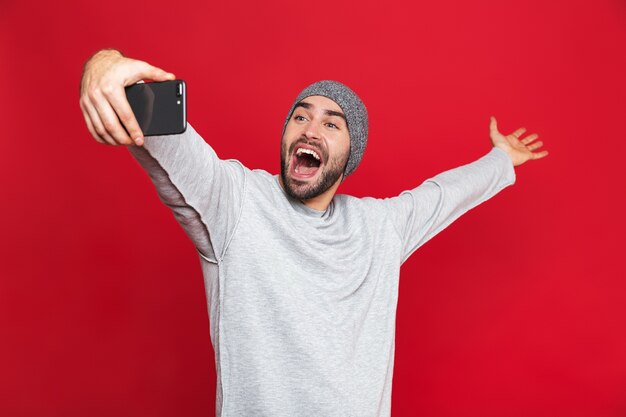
[{"x": 179, "y": 90}]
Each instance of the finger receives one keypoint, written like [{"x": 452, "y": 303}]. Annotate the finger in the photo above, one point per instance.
[
  {"x": 90, "y": 126},
  {"x": 519, "y": 132},
  {"x": 539, "y": 155},
  {"x": 493, "y": 125},
  {"x": 122, "y": 108},
  {"x": 109, "y": 118},
  {"x": 145, "y": 71},
  {"x": 97, "y": 124},
  {"x": 534, "y": 146},
  {"x": 529, "y": 138}
]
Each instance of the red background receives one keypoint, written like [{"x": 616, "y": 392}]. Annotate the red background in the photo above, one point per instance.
[{"x": 518, "y": 309}]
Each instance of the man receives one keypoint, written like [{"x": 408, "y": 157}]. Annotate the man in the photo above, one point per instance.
[{"x": 301, "y": 282}]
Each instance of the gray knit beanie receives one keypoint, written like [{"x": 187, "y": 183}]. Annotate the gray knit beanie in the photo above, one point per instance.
[{"x": 354, "y": 109}]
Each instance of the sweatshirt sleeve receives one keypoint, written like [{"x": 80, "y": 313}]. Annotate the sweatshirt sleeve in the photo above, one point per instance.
[
  {"x": 204, "y": 192},
  {"x": 421, "y": 213}
]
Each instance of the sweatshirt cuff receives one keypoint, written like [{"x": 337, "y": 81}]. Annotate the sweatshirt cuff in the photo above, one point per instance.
[{"x": 505, "y": 162}]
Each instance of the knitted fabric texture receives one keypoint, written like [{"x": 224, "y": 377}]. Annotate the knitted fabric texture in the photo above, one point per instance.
[{"x": 353, "y": 108}]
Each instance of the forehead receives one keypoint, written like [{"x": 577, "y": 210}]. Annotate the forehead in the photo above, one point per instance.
[{"x": 321, "y": 103}]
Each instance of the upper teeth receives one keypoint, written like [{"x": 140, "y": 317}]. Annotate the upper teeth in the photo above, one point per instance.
[{"x": 308, "y": 151}]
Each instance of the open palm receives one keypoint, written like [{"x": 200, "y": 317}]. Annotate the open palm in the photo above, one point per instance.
[{"x": 519, "y": 150}]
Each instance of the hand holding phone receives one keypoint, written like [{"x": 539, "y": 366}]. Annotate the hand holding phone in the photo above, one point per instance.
[{"x": 103, "y": 102}]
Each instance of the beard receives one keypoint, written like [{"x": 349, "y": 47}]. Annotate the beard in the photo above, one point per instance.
[{"x": 332, "y": 170}]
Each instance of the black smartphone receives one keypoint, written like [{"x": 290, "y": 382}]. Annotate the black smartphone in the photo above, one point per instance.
[{"x": 159, "y": 107}]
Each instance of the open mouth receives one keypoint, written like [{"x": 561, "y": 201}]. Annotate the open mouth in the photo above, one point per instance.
[{"x": 306, "y": 162}]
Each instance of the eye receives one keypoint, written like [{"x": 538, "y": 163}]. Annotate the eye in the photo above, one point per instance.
[
  {"x": 299, "y": 118},
  {"x": 332, "y": 125}
]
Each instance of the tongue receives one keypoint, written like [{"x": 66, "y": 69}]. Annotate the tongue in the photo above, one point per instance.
[
  {"x": 305, "y": 166},
  {"x": 304, "y": 170}
]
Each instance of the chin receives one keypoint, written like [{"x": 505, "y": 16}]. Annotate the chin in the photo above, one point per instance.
[
  {"x": 301, "y": 190},
  {"x": 307, "y": 189}
]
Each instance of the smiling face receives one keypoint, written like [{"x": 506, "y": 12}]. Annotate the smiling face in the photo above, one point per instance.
[{"x": 315, "y": 149}]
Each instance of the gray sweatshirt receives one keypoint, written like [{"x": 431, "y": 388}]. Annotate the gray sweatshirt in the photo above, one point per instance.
[{"x": 302, "y": 303}]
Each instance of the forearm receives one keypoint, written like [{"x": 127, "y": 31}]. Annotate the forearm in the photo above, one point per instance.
[
  {"x": 442, "y": 199},
  {"x": 183, "y": 162},
  {"x": 175, "y": 166},
  {"x": 202, "y": 191},
  {"x": 467, "y": 186}
]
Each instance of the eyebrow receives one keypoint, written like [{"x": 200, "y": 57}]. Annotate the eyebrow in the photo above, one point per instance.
[{"x": 328, "y": 112}]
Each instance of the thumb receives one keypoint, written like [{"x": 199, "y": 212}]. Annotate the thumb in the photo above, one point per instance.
[
  {"x": 145, "y": 71},
  {"x": 157, "y": 74},
  {"x": 493, "y": 125}
]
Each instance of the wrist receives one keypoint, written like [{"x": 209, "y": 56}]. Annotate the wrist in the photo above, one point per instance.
[
  {"x": 108, "y": 52},
  {"x": 102, "y": 55},
  {"x": 507, "y": 150}
]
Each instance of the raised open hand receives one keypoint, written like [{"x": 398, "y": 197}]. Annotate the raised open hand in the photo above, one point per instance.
[{"x": 518, "y": 150}]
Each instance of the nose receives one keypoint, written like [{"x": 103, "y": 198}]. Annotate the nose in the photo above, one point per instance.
[{"x": 312, "y": 131}]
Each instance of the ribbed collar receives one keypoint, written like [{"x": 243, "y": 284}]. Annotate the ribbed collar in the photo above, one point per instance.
[{"x": 300, "y": 207}]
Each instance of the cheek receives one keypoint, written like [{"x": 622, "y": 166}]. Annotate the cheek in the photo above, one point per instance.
[
  {"x": 345, "y": 146},
  {"x": 284, "y": 148},
  {"x": 290, "y": 128},
  {"x": 289, "y": 134}
]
